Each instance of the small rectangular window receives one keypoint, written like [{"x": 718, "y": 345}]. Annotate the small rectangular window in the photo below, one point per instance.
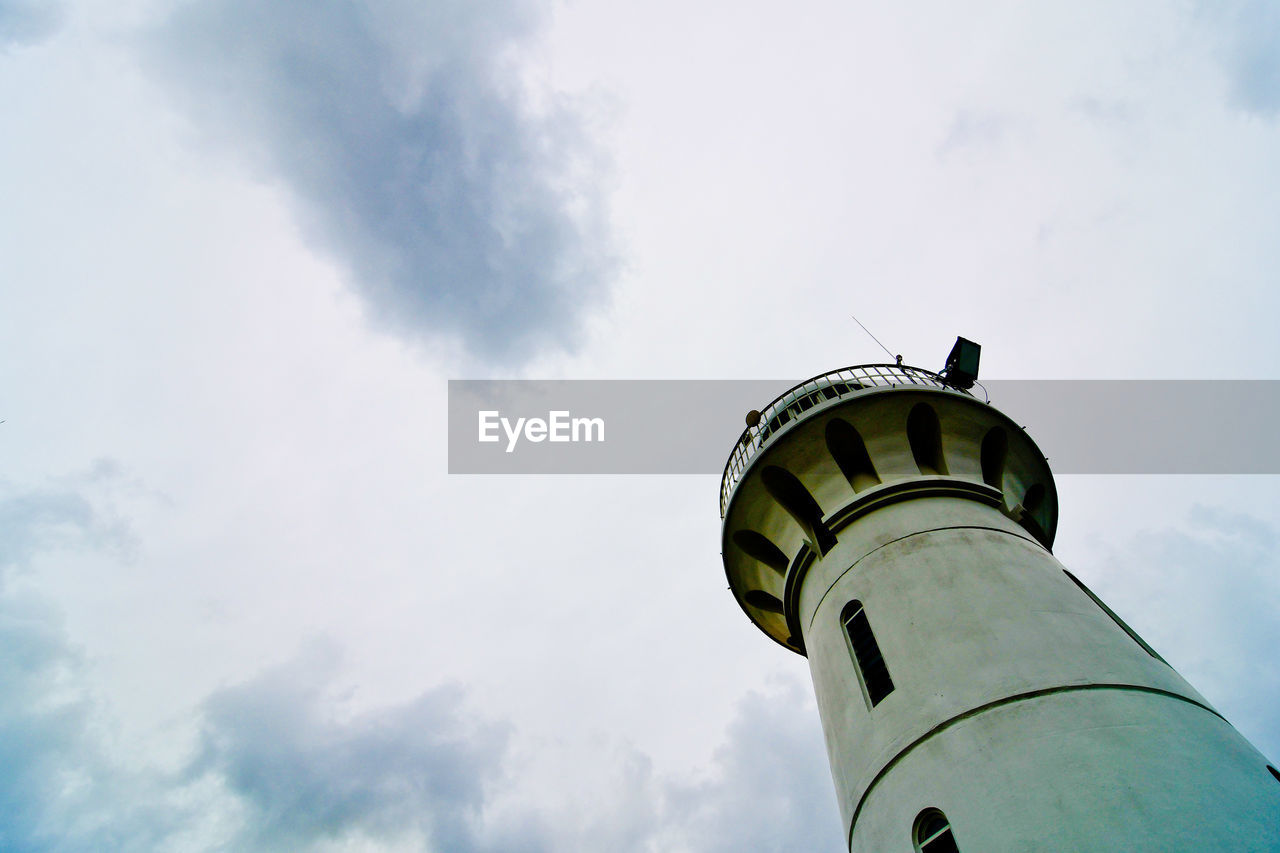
[{"x": 866, "y": 652}]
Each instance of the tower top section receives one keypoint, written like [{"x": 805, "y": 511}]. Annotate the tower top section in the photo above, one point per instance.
[
  {"x": 831, "y": 387},
  {"x": 844, "y": 456}
]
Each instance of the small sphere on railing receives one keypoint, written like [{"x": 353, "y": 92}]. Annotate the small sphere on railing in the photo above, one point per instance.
[{"x": 753, "y": 418}]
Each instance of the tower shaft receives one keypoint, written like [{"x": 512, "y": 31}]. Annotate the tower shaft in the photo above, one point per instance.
[{"x": 899, "y": 536}]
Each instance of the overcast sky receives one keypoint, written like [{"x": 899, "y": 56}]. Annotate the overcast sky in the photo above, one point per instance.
[{"x": 244, "y": 245}]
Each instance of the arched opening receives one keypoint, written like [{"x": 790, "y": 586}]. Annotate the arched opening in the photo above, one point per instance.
[
  {"x": 925, "y": 435},
  {"x": 932, "y": 833},
  {"x": 787, "y": 490},
  {"x": 850, "y": 453},
  {"x": 758, "y": 546},
  {"x": 872, "y": 670},
  {"x": 1033, "y": 498},
  {"x": 762, "y": 600},
  {"x": 1032, "y": 501},
  {"x": 995, "y": 446}
]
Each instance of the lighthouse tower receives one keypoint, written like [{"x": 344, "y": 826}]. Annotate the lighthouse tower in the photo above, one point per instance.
[{"x": 897, "y": 530}]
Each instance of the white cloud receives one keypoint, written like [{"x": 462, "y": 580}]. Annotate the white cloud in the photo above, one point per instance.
[
  {"x": 1205, "y": 594},
  {"x": 770, "y": 789},
  {"x": 282, "y": 761},
  {"x": 1106, "y": 208}
]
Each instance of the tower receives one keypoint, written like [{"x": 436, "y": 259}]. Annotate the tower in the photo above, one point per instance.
[{"x": 896, "y": 530}]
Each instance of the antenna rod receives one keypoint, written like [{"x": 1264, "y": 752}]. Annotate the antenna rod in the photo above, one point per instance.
[{"x": 877, "y": 340}]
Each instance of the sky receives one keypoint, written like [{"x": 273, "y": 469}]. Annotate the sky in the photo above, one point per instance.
[{"x": 244, "y": 246}]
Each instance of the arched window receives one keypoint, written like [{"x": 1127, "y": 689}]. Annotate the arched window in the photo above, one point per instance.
[
  {"x": 925, "y": 436},
  {"x": 933, "y": 833},
  {"x": 995, "y": 447},
  {"x": 850, "y": 452},
  {"x": 866, "y": 653}
]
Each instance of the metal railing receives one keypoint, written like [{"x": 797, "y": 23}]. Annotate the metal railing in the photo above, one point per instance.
[{"x": 818, "y": 391}]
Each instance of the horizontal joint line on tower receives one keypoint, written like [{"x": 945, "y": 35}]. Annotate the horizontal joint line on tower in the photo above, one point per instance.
[
  {"x": 999, "y": 703},
  {"x": 884, "y": 545}
]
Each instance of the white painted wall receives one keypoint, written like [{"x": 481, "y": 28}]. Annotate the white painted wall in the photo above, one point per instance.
[{"x": 1020, "y": 708}]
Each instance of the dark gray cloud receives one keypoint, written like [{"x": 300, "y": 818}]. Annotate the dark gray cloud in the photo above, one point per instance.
[
  {"x": 402, "y": 130},
  {"x": 308, "y": 776},
  {"x": 24, "y": 22}
]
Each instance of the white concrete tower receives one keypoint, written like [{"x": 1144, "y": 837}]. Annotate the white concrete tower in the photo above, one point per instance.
[{"x": 974, "y": 695}]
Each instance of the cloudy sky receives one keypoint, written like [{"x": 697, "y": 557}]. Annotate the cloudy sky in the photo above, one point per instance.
[{"x": 244, "y": 245}]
